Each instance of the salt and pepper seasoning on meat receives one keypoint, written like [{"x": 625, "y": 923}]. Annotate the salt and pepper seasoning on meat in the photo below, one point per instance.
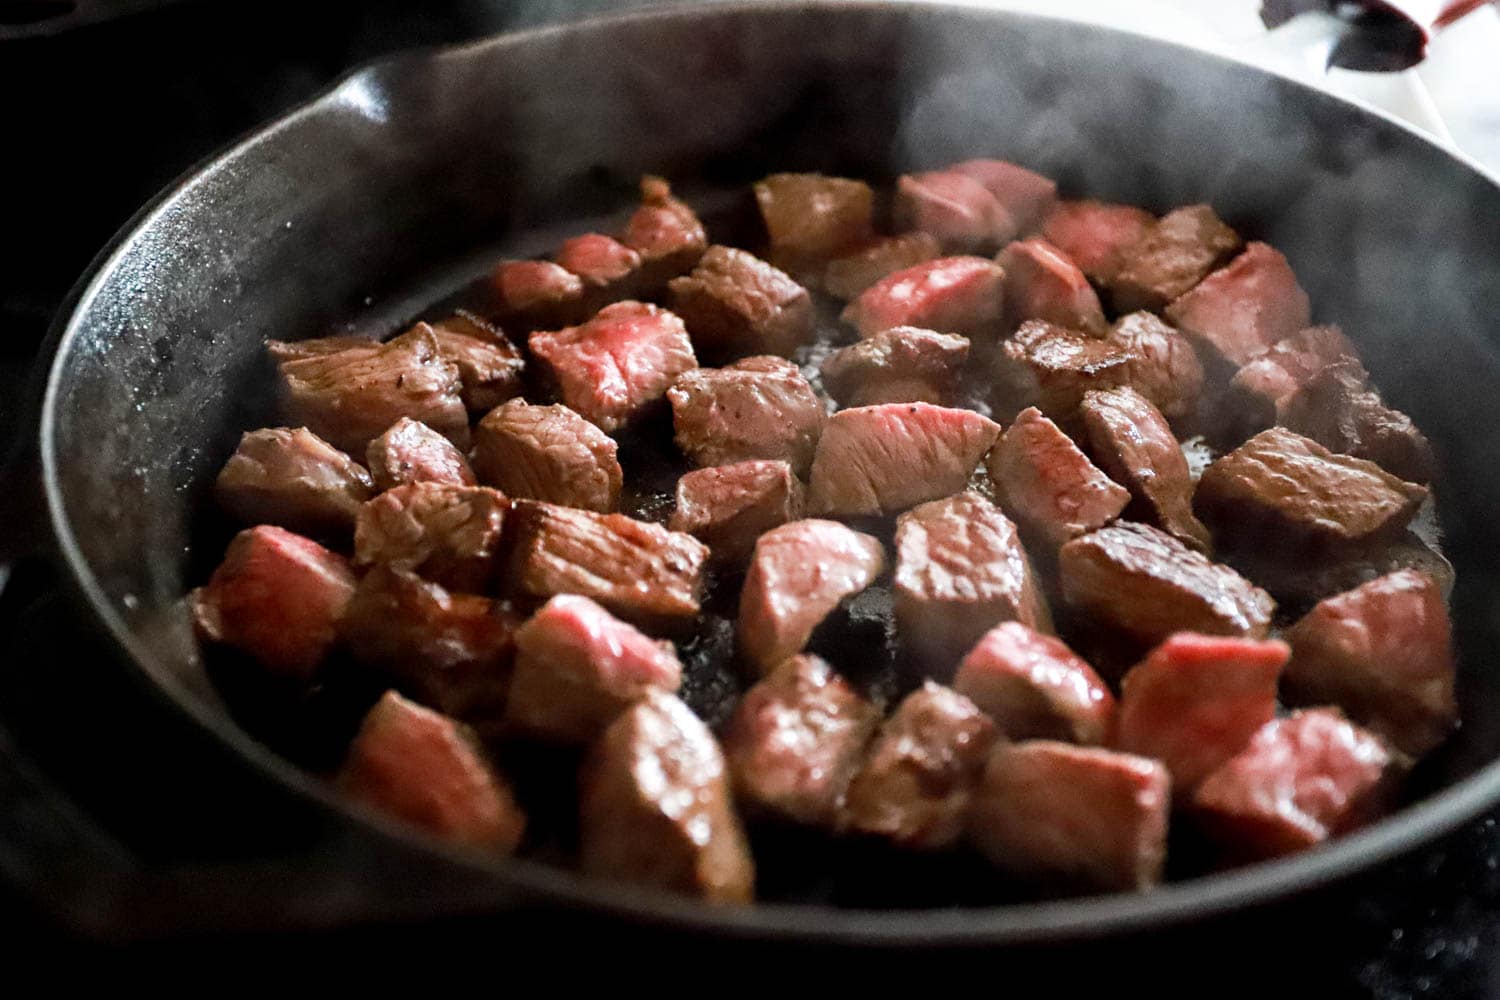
[
  {"x": 547, "y": 453},
  {"x": 759, "y": 407},
  {"x": 901, "y": 365},
  {"x": 1051, "y": 368},
  {"x": 735, "y": 304}
]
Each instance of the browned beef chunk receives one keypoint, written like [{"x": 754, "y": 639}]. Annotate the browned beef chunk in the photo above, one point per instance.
[
  {"x": 735, "y": 304},
  {"x": 296, "y": 350},
  {"x": 1051, "y": 368},
  {"x": 537, "y": 292},
  {"x": 276, "y": 596},
  {"x": 1085, "y": 817},
  {"x": 728, "y": 507},
  {"x": 1163, "y": 366},
  {"x": 612, "y": 368},
  {"x": 293, "y": 478},
  {"x": 639, "y": 571},
  {"x": 1175, "y": 254},
  {"x": 1280, "y": 488},
  {"x": 899, "y": 365},
  {"x": 1146, "y": 584},
  {"x": 1383, "y": 652},
  {"x": 799, "y": 573},
  {"x": 1035, "y": 687},
  {"x": 450, "y": 534},
  {"x": 916, "y": 782},
  {"x": 1096, "y": 235},
  {"x": 608, "y": 268},
  {"x": 1305, "y": 582},
  {"x": 849, "y": 275},
  {"x": 760, "y": 407},
  {"x": 488, "y": 363},
  {"x": 578, "y": 667},
  {"x": 962, "y": 295},
  {"x": 450, "y": 651},
  {"x": 812, "y": 218},
  {"x": 656, "y": 807},
  {"x": 1263, "y": 384},
  {"x": 414, "y": 764},
  {"x": 1048, "y": 485},
  {"x": 548, "y": 453},
  {"x": 350, "y": 397},
  {"x": 412, "y": 452},
  {"x": 796, "y": 739},
  {"x": 953, "y": 208},
  {"x": 1025, "y": 195},
  {"x": 875, "y": 460},
  {"x": 1042, "y": 283},
  {"x": 666, "y": 233},
  {"x": 1338, "y": 409},
  {"x": 960, "y": 570},
  {"x": 1133, "y": 443},
  {"x": 1241, "y": 310}
]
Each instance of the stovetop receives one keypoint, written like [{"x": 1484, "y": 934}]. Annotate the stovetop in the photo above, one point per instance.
[{"x": 98, "y": 119}]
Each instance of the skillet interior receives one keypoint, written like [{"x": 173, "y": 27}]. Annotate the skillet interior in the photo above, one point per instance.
[{"x": 402, "y": 183}]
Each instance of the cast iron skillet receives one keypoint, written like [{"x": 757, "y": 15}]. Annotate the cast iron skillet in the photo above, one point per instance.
[{"x": 405, "y": 180}]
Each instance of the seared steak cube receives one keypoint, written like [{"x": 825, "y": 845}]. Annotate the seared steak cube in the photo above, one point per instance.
[
  {"x": 548, "y": 453},
  {"x": 655, "y": 806},
  {"x": 450, "y": 534},
  {"x": 1239, "y": 311},
  {"x": 1036, "y": 688},
  {"x": 292, "y": 477},
  {"x": 1261, "y": 387},
  {"x": 1301, "y": 780},
  {"x": 760, "y": 407},
  {"x": 795, "y": 740},
  {"x": 276, "y": 596},
  {"x": 639, "y": 571},
  {"x": 1338, "y": 409},
  {"x": 954, "y": 209},
  {"x": 1175, "y": 254},
  {"x": 296, "y": 350},
  {"x": 1089, "y": 818},
  {"x": 1282, "y": 488},
  {"x": 735, "y": 303},
  {"x": 537, "y": 291},
  {"x": 665, "y": 232},
  {"x": 728, "y": 507},
  {"x": 1096, "y": 235},
  {"x": 1383, "y": 653},
  {"x": 1163, "y": 365},
  {"x": 918, "y": 778},
  {"x": 1196, "y": 700},
  {"x": 1048, "y": 485},
  {"x": 875, "y": 460},
  {"x": 1146, "y": 584},
  {"x": 812, "y": 218},
  {"x": 411, "y": 452},
  {"x": 1025, "y": 195},
  {"x": 489, "y": 365},
  {"x": 607, "y": 266},
  {"x": 960, "y": 570},
  {"x": 962, "y": 295},
  {"x": 350, "y": 397},
  {"x": 847, "y": 276},
  {"x": 418, "y": 766},
  {"x": 799, "y": 573},
  {"x": 899, "y": 365},
  {"x": 1049, "y": 367},
  {"x": 578, "y": 667},
  {"x": 1042, "y": 283}
]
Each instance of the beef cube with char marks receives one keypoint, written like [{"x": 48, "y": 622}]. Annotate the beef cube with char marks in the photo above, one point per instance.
[
  {"x": 277, "y": 597},
  {"x": 1239, "y": 311},
  {"x": 728, "y": 507},
  {"x": 578, "y": 667},
  {"x": 537, "y": 292},
  {"x": 1096, "y": 235},
  {"x": 548, "y": 453},
  {"x": 640, "y": 571},
  {"x": 412, "y": 452},
  {"x": 612, "y": 368},
  {"x": 1035, "y": 687},
  {"x": 1042, "y": 283},
  {"x": 489, "y": 365},
  {"x": 876, "y": 460},
  {"x": 1176, "y": 253},
  {"x": 1142, "y": 582},
  {"x": 606, "y": 266},
  {"x": 1301, "y": 780},
  {"x": 1163, "y": 365},
  {"x": 1048, "y": 485},
  {"x": 799, "y": 573},
  {"x": 297, "y": 350},
  {"x": 1259, "y": 390},
  {"x": 666, "y": 233},
  {"x": 760, "y": 407},
  {"x": 1382, "y": 652},
  {"x": 954, "y": 209},
  {"x": 1280, "y": 488},
  {"x": 1026, "y": 196},
  {"x": 962, "y": 295},
  {"x": 1085, "y": 817},
  {"x": 899, "y": 365},
  {"x": 421, "y": 767},
  {"x": 847, "y": 276},
  {"x": 350, "y": 397},
  {"x": 918, "y": 778},
  {"x": 796, "y": 740},
  {"x": 655, "y": 806},
  {"x": 1133, "y": 443},
  {"x": 960, "y": 570},
  {"x": 1195, "y": 701},
  {"x": 1338, "y": 409},
  {"x": 449, "y": 534},
  {"x": 293, "y": 478},
  {"x": 1051, "y": 368},
  {"x": 812, "y": 218},
  {"x": 735, "y": 304}
]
